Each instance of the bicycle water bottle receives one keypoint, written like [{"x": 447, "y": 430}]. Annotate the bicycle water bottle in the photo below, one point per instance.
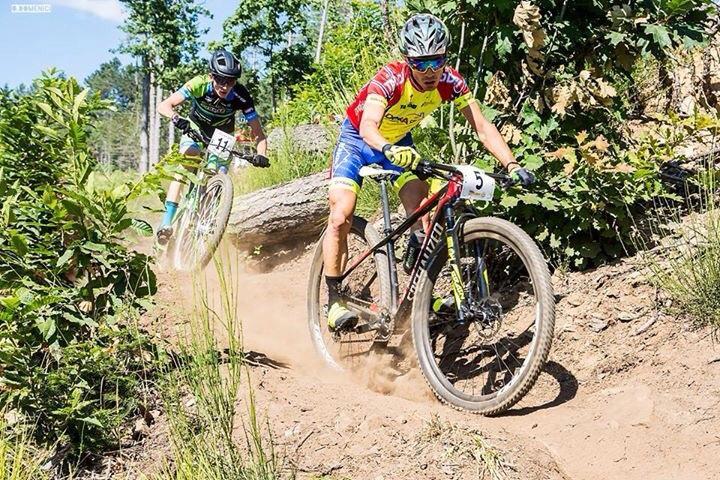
[{"x": 413, "y": 248}]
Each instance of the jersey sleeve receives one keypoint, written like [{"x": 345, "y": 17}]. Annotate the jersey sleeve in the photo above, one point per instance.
[
  {"x": 453, "y": 88},
  {"x": 383, "y": 87},
  {"x": 194, "y": 88},
  {"x": 245, "y": 103}
]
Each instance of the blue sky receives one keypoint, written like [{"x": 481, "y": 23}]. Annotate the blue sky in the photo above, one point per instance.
[{"x": 75, "y": 36}]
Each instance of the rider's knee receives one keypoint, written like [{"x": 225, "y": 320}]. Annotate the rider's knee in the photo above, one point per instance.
[
  {"x": 339, "y": 220},
  {"x": 342, "y": 205}
]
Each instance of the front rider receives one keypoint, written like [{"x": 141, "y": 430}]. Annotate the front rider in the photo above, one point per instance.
[
  {"x": 377, "y": 130},
  {"x": 215, "y": 97}
]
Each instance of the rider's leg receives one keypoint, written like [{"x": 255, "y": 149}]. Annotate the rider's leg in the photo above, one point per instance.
[
  {"x": 344, "y": 187},
  {"x": 342, "y": 206},
  {"x": 412, "y": 194},
  {"x": 188, "y": 149}
]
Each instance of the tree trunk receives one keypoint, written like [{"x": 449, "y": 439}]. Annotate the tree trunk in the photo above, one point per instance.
[
  {"x": 451, "y": 117},
  {"x": 144, "y": 164},
  {"x": 387, "y": 28},
  {"x": 285, "y": 216},
  {"x": 171, "y": 136},
  {"x": 153, "y": 122},
  {"x": 158, "y": 124},
  {"x": 323, "y": 21}
]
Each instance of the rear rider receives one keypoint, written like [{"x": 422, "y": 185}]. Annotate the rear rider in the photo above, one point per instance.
[
  {"x": 215, "y": 98},
  {"x": 377, "y": 130}
]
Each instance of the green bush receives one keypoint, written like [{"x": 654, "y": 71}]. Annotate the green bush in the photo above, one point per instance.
[{"x": 68, "y": 283}]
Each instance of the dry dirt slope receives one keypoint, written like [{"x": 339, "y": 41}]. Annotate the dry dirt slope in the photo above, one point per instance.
[{"x": 628, "y": 393}]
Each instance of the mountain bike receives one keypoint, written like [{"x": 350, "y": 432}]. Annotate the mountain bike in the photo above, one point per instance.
[
  {"x": 204, "y": 211},
  {"x": 485, "y": 347}
]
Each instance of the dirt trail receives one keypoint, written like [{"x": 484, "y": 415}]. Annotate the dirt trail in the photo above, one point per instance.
[{"x": 612, "y": 404}]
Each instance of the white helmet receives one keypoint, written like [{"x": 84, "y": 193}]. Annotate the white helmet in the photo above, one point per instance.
[{"x": 424, "y": 35}]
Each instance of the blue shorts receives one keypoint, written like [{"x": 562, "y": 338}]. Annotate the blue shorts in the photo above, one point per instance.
[{"x": 352, "y": 153}]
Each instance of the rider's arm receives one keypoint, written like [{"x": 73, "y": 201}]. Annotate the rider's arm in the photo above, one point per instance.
[
  {"x": 489, "y": 135},
  {"x": 259, "y": 136},
  {"x": 166, "y": 107},
  {"x": 373, "y": 113}
]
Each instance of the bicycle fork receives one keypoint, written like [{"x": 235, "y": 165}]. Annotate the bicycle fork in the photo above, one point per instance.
[
  {"x": 453, "y": 243},
  {"x": 453, "y": 232}
]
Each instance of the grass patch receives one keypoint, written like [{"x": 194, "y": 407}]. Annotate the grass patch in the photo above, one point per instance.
[
  {"x": 201, "y": 396},
  {"x": 20, "y": 459},
  {"x": 460, "y": 447},
  {"x": 680, "y": 248}
]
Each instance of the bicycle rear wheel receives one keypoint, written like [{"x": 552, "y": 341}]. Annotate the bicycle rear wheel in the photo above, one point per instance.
[
  {"x": 490, "y": 362},
  {"x": 369, "y": 283},
  {"x": 200, "y": 230}
]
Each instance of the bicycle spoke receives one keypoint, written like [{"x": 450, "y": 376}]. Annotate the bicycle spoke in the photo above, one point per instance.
[{"x": 483, "y": 356}]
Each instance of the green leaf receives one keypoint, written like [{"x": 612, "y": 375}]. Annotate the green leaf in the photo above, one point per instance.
[
  {"x": 554, "y": 241},
  {"x": 503, "y": 47},
  {"x": 94, "y": 247},
  {"x": 659, "y": 34},
  {"x": 615, "y": 38},
  {"x": 488, "y": 112},
  {"x": 92, "y": 421},
  {"x": 73, "y": 208},
  {"x": 142, "y": 227},
  {"x": 65, "y": 257},
  {"x": 532, "y": 161},
  {"x": 509, "y": 202},
  {"x": 548, "y": 203},
  {"x": 529, "y": 198},
  {"x": 547, "y": 128},
  {"x": 121, "y": 191},
  {"x": 78, "y": 102},
  {"x": 19, "y": 243},
  {"x": 11, "y": 303},
  {"x": 47, "y": 131},
  {"x": 47, "y": 328}
]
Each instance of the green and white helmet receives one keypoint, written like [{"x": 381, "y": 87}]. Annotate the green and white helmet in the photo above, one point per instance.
[{"x": 424, "y": 35}]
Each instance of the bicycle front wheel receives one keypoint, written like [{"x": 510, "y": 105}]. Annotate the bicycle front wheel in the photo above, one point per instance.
[
  {"x": 488, "y": 363},
  {"x": 200, "y": 231}
]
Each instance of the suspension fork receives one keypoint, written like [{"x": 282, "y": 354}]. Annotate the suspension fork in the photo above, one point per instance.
[
  {"x": 481, "y": 272},
  {"x": 453, "y": 245}
]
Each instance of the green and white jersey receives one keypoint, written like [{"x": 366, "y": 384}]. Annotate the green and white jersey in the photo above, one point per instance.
[{"x": 209, "y": 111}]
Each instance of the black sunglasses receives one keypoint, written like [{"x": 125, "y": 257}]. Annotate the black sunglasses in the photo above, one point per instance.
[{"x": 220, "y": 80}]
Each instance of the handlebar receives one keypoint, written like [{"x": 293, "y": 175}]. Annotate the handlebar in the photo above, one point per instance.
[
  {"x": 199, "y": 136},
  {"x": 427, "y": 167}
]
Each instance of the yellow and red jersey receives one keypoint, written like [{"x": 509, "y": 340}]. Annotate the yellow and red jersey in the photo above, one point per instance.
[{"x": 405, "y": 105}]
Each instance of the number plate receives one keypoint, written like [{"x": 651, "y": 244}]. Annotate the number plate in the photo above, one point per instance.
[
  {"x": 476, "y": 185},
  {"x": 221, "y": 144}
]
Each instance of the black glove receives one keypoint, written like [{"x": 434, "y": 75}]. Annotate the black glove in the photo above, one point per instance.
[
  {"x": 522, "y": 176},
  {"x": 260, "y": 161},
  {"x": 182, "y": 124}
]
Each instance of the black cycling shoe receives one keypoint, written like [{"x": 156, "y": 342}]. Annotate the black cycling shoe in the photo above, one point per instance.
[{"x": 164, "y": 234}]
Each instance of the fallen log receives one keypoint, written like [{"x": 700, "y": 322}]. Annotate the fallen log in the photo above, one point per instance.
[{"x": 284, "y": 216}]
